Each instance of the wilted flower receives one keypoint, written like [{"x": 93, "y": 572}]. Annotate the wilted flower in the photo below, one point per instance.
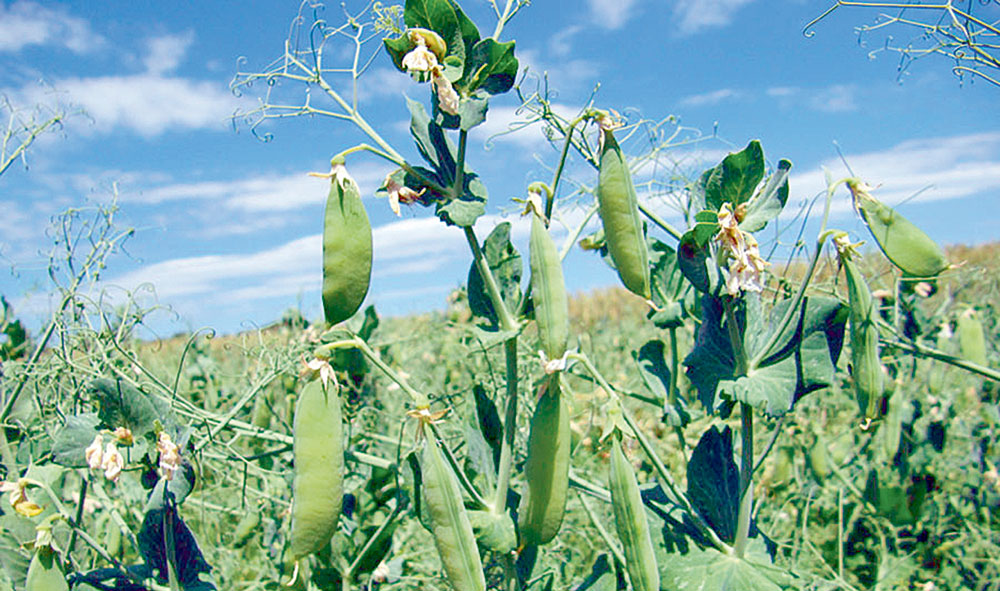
[
  {"x": 400, "y": 193},
  {"x": 551, "y": 366},
  {"x": 19, "y": 496},
  {"x": 170, "y": 459},
  {"x": 420, "y": 58},
  {"x": 318, "y": 366},
  {"x": 746, "y": 264},
  {"x": 123, "y": 435},
  {"x": 113, "y": 462},
  {"x": 94, "y": 452},
  {"x": 447, "y": 97}
]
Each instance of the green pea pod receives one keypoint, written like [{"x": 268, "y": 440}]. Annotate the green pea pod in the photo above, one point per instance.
[
  {"x": 631, "y": 523},
  {"x": 549, "y": 291},
  {"x": 318, "y": 487},
  {"x": 906, "y": 245},
  {"x": 619, "y": 210},
  {"x": 546, "y": 468},
  {"x": 866, "y": 369},
  {"x": 819, "y": 460},
  {"x": 971, "y": 338},
  {"x": 44, "y": 573},
  {"x": 347, "y": 249},
  {"x": 456, "y": 543}
]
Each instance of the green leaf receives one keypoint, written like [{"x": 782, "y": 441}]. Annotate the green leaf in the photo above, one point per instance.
[
  {"x": 768, "y": 203},
  {"x": 183, "y": 553},
  {"x": 433, "y": 145},
  {"x": 706, "y": 226},
  {"x": 492, "y": 67},
  {"x": 696, "y": 265},
  {"x": 602, "y": 577},
  {"x": 493, "y": 532},
  {"x": 72, "y": 440},
  {"x": 507, "y": 267},
  {"x": 397, "y": 47},
  {"x": 733, "y": 181},
  {"x": 464, "y": 210},
  {"x": 652, "y": 359},
  {"x": 122, "y": 405},
  {"x": 711, "y": 360},
  {"x": 479, "y": 456},
  {"x": 468, "y": 30},
  {"x": 714, "y": 482},
  {"x": 711, "y": 570},
  {"x": 471, "y": 112},
  {"x": 440, "y": 17},
  {"x": 489, "y": 421}
]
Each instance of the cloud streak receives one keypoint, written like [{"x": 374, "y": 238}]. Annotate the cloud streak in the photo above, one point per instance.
[{"x": 23, "y": 24}]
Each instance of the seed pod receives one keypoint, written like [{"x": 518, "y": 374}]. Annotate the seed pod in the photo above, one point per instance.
[
  {"x": 971, "y": 338},
  {"x": 866, "y": 369},
  {"x": 452, "y": 530},
  {"x": 549, "y": 291},
  {"x": 546, "y": 468},
  {"x": 619, "y": 211},
  {"x": 44, "y": 573},
  {"x": 347, "y": 248},
  {"x": 631, "y": 523},
  {"x": 318, "y": 487},
  {"x": 906, "y": 245},
  {"x": 819, "y": 460}
]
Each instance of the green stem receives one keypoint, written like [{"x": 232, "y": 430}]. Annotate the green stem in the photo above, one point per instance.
[
  {"x": 509, "y": 429},
  {"x": 459, "y": 472},
  {"x": 419, "y": 398},
  {"x": 915, "y": 348},
  {"x": 550, "y": 198},
  {"x": 658, "y": 465},
  {"x": 746, "y": 482},
  {"x": 456, "y": 191},
  {"x": 349, "y": 573},
  {"x": 663, "y": 224},
  {"x": 507, "y": 321}
]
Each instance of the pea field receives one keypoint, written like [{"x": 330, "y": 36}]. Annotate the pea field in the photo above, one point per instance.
[{"x": 730, "y": 417}]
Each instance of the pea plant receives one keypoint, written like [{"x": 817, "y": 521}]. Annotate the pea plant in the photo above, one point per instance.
[{"x": 351, "y": 456}]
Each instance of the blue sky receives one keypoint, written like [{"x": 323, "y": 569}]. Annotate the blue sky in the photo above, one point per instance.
[{"x": 227, "y": 226}]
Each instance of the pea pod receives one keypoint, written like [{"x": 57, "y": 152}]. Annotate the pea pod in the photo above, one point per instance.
[
  {"x": 549, "y": 291},
  {"x": 319, "y": 465},
  {"x": 631, "y": 523},
  {"x": 44, "y": 573},
  {"x": 347, "y": 248},
  {"x": 619, "y": 210},
  {"x": 546, "y": 468},
  {"x": 452, "y": 530},
  {"x": 971, "y": 338},
  {"x": 866, "y": 369},
  {"x": 906, "y": 245}
]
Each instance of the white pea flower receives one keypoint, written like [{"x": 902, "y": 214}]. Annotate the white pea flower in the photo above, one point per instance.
[
  {"x": 170, "y": 459},
  {"x": 113, "y": 462},
  {"x": 746, "y": 264},
  {"x": 95, "y": 453},
  {"x": 447, "y": 96},
  {"x": 420, "y": 58},
  {"x": 400, "y": 193}
]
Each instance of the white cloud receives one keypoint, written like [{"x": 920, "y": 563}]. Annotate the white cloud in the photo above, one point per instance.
[
  {"x": 27, "y": 23},
  {"x": 402, "y": 247},
  {"x": 838, "y": 98},
  {"x": 930, "y": 169},
  {"x": 611, "y": 14},
  {"x": 695, "y": 15},
  {"x": 564, "y": 74},
  {"x": 167, "y": 52},
  {"x": 708, "y": 98},
  {"x": 268, "y": 192}
]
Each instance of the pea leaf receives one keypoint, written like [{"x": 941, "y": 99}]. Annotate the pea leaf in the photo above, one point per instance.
[
  {"x": 507, "y": 268},
  {"x": 440, "y": 17},
  {"x": 181, "y": 552},
  {"x": 714, "y": 482},
  {"x": 711, "y": 570},
  {"x": 695, "y": 264},
  {"x": 651, "y": 359},
  {"x": 73, "y": 438},
  {"x": 735, "y": 178},
  {"x": 463, "y": 211},
  {"x": 123, "y": 405},
  {"x": 432, "y": 143},
  {"x": 711, "y": 360},
  {"x": 494, "y": 532},
  {"x": 671, "y": 291},
  {"x": 492, "y": 67},
  {"x": 471, "y": 112},
  {"x": 768, "y": 203},
  {"x": 603, "y": 577}
]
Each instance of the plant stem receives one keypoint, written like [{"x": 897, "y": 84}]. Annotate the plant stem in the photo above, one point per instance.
[
  {"x": 509, "y": 428},
  {"x": 550, "y": 198},
  {"x": 460, "y": 165},
  {"x": 457, "y": 469},
  {"x": 663, "y": 224},
  {"x": 746, "y": 482},
  {"x": 608, "y": 540}
]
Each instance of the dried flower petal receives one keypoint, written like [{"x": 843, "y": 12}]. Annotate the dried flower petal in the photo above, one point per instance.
[
  {"x": 94, "y": 452},
  {"x": 113, "y": 462},
  {"x": 170, "y": 459},
  {"x": 420, "y": 58},
  {"x": 447, "y": 97}
]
